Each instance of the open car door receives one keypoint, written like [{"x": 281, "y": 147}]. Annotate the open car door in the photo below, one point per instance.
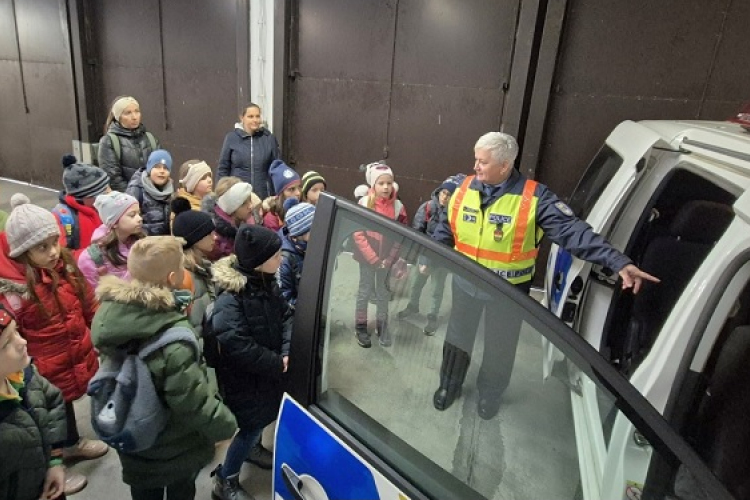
[
  {"x": 360, "y": 423},
  {"x": 598, "y": 198}
]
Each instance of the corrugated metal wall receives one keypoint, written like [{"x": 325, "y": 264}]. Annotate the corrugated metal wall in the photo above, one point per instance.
[
  {"x": 670, "y": 59},
  {"x": 180, "y": 60},
  {"x": 411, "y": 82},
  {"x": 37, "y": 102}
]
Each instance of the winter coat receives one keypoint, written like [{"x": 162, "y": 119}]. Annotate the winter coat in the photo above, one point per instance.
[
  {"x": 135, "y": 149},
  {"x": 195, "y": 202},
  {"x": 203, "y": 294},
  {"x": 226, "y": 231},
  {"x": 253, "y": 325},
  {"x": 248, "y": 157},
  {"x": 428, "y": 214},
  {"x": 135, "y": 312},
  {"x": 87, "y": 221},
  {"x": 290, "y": 271},
  {"x": 155, "y": 208},
  {"x": 59, "y": 340},
  {"x": 272, "y": 221},
  {"x": 92, "y": 272},
  {"x": 29, "y": 429},
  {"x": 369, "y": 246}
]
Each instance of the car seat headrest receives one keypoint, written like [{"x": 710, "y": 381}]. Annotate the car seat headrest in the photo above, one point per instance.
[{"x": 701, "y": 221}]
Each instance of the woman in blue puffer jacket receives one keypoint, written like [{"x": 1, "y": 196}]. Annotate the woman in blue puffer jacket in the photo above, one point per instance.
[{"x": 248, "y": 151}]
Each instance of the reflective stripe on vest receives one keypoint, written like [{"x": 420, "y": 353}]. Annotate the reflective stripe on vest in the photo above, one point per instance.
[{"x": 503, "y": 237}]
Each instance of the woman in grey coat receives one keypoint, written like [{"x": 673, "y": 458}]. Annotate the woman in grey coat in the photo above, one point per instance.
[
  {"x": 248, "y": 151},
  {"x": 126, "y": 144}
]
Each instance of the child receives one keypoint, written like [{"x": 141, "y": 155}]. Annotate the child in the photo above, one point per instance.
[
  {"x": 253, "y": 325},
  {"x": 134, "y": 312},
  {"x": 122, "y": 226},
  {"x": 376, "y": 255},
  {"x": 426, "y": 221},
  {"x": 312, "y": 185},
  {"x": 53, "y": 305},
  {"x": 232, "y": 208},
  {"x": 299, "y": 219},
  {"x": 32, "y": 423},
  {"x": 286, "y": 184},
  {"x": 75, "y": 212},
  {"x": 195, "y": 182},
  {"x": 197, "y": 229},
  {"x": 153, "y": 189}
]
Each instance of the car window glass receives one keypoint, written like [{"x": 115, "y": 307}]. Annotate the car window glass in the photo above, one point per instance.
[
  {"x": 591, "y": 186},
  {"x": 547, "y": 439}
]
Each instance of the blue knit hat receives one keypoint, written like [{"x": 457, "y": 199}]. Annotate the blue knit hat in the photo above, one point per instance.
[
  {"x": 282, "y": 176},
  {"x": 299, "y": 218},
  {"x": 160, "y": 156}
]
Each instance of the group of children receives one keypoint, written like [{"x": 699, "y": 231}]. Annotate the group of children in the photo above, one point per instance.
[{"x": 159, "y": 259}]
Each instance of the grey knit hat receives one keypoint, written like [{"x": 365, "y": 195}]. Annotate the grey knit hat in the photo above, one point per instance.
[
  {"x": 82, "y": 180},
  {"x": 111, "y": 206},
  {"x": 28, "y": 225}
]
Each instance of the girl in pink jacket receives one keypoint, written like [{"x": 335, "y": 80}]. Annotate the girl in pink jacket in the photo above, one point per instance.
[
  {"x": 122, "y": 226},
  {"x": 376, "y": 254}
]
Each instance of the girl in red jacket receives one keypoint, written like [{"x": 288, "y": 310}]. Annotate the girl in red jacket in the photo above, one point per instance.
[
  {"x": 376, "y": 254},
  {"x": 53, "y": 305}
]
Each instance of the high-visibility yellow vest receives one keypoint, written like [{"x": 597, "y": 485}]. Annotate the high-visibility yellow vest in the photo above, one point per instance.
[{"x": 503, "y": 237}]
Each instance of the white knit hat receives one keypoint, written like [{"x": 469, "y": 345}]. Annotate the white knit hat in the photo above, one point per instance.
[
  {"x": 28, "y": 225},
  {"x": 235, "y": 197},
  {"x": 375, "y": 170}
]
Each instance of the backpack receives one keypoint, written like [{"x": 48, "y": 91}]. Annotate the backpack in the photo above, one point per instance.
[
  {"x": 211, "y": 350},
  {"x": 126, "y": 411},
  {"x": 69, "y": 220},
  {"x": 117, "y": 147}
]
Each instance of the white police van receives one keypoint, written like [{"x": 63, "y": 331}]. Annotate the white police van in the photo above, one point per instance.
[
  {"x": 675, "y": 197},
  {"x": 360, "y": 423}
]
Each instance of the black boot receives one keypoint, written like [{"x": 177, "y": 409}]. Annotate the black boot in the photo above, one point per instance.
[
  {"x": 260, "y": 457},
  {"x": 363, "y": 336},
  {"x": 384, "y": 333},
  {"x": 228, "y": 488},
  {"x": 452, "y": 374}
]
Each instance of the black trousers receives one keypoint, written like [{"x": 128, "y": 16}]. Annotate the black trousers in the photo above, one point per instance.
[
  {"x": 183, "y": 489},
  {"x": 502, "y": 326}
]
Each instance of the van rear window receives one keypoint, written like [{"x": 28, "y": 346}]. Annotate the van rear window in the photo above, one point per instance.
[{"x": 591, "y": 186}]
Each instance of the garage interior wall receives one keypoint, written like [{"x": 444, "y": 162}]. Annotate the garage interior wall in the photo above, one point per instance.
[{"x": 414, "y": 82}]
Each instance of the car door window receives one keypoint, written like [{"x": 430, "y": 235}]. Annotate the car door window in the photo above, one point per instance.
[{"x": 546, "y": 440}]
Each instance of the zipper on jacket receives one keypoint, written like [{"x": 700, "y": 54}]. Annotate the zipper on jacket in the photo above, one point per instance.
[{"x": 252, "y": 166}]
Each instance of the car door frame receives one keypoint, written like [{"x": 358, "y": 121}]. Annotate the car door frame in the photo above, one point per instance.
[{"x": 305, "y": 357}]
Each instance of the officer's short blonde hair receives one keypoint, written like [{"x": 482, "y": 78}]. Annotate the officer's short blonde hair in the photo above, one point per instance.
[
  {"x": 503, "y": 147},
  {"x": 153, "y": 258}
]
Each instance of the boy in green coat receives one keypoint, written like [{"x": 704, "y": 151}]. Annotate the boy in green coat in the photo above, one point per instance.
[
  {"x": 132, "y": 313},
  {"x": 32, "y": 423}
]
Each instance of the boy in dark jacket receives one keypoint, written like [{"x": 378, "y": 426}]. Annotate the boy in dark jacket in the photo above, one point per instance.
[
  {"x": 32, "y": 423},
  {"x": 135, "y": 312},
  {"x": 253, "y": 325},
  {"x": 152, "y": 187},
  {"x": 425, "y": 222},
  {"x": 296, "y": 234}
]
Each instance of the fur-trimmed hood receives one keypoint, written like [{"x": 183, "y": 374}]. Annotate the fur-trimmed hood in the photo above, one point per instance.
[
  {"x": 10, "y": 287},
  {"x": 132, "y": 310},
  {"x": 158, "y": 298},
  {"x": 226, "y": 276}
]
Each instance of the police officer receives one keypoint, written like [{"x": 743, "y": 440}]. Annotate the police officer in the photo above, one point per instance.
[{"x": 497, "y": 218}]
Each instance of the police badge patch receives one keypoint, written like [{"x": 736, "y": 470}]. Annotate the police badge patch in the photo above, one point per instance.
[
  {"x": 499, "y": 219},
  {"x": 565, "y": 209}
]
